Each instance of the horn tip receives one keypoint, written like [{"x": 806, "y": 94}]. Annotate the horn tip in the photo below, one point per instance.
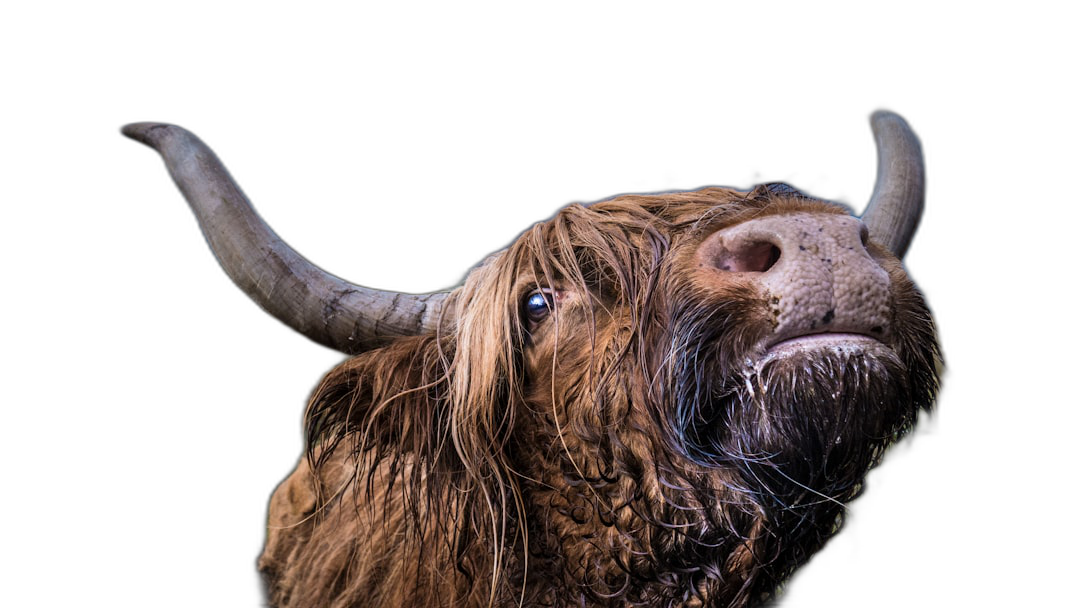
[
  {"x": 882, "y": 119},
  {"x": 883, "y": 114},
  {"x": 149, "y": 133}
]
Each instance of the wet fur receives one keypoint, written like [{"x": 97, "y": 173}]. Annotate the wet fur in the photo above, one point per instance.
[{"x": 629, "y": 450}]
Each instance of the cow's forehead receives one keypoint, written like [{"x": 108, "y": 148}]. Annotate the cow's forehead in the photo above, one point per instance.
[
  {"x": 714, "y": 207},
  {"x": 681, "y": 219}
]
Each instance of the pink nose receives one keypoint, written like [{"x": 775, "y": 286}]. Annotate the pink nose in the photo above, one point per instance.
[{"x": 813, "y": 270}]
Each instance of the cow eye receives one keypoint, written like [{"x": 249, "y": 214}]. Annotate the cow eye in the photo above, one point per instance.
[{"x": 538, "y": 305}]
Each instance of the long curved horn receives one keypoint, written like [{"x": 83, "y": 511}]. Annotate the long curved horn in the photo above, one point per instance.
[
  {"x": 895, "y": 207},
  {"x": 333, "y": 312}
]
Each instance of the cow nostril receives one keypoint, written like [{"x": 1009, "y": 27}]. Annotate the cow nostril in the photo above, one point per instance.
[{"x": 757, "y": 256}]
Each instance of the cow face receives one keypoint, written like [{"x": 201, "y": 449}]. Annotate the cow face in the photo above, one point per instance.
[{"x": 719, "y": 367}]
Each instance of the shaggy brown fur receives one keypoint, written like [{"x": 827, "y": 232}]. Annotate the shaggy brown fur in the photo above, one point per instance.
[{"x": 619, "y": 451}]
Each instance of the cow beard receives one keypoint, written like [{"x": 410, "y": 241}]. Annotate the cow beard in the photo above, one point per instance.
[
  {"x": 789, "y": 438},
  {"x": 748, "y": 481},
  {"x": 804, "y": 428}
]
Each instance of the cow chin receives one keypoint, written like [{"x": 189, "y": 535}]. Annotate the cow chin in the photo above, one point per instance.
[{"x": 804, "y": 422}]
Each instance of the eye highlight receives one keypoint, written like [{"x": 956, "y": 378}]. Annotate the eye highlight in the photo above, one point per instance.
[{"x": 538, "y": 305}]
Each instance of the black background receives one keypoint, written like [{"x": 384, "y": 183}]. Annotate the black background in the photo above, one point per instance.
[{"x": 186, "y": 397}]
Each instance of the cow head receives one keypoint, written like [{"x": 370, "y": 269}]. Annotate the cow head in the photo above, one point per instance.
[{"x": 650, "y": 399}]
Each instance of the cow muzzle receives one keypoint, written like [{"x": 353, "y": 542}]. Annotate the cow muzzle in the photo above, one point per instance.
[{"x": 820, "y": 284}]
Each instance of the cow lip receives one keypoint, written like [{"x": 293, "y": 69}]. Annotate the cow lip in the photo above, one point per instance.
[{"x": 822, "y": 340}]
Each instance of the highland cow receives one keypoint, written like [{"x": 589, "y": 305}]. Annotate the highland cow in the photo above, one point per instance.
[{"x": 652, "y": 400}]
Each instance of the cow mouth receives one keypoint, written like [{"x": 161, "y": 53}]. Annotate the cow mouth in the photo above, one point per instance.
[
  {"x": 821, "y": 340},
  {"x": 838, "y": 342}
]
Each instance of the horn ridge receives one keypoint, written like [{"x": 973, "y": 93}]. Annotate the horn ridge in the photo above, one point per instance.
[
  {"x": 895, "y": 208},
  {"x": 344, "y": 316}
]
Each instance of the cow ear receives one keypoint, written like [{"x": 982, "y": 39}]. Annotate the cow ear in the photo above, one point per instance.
[
  {"x": 389, "y": 402},
  {"x": 436, "y": 403}
]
